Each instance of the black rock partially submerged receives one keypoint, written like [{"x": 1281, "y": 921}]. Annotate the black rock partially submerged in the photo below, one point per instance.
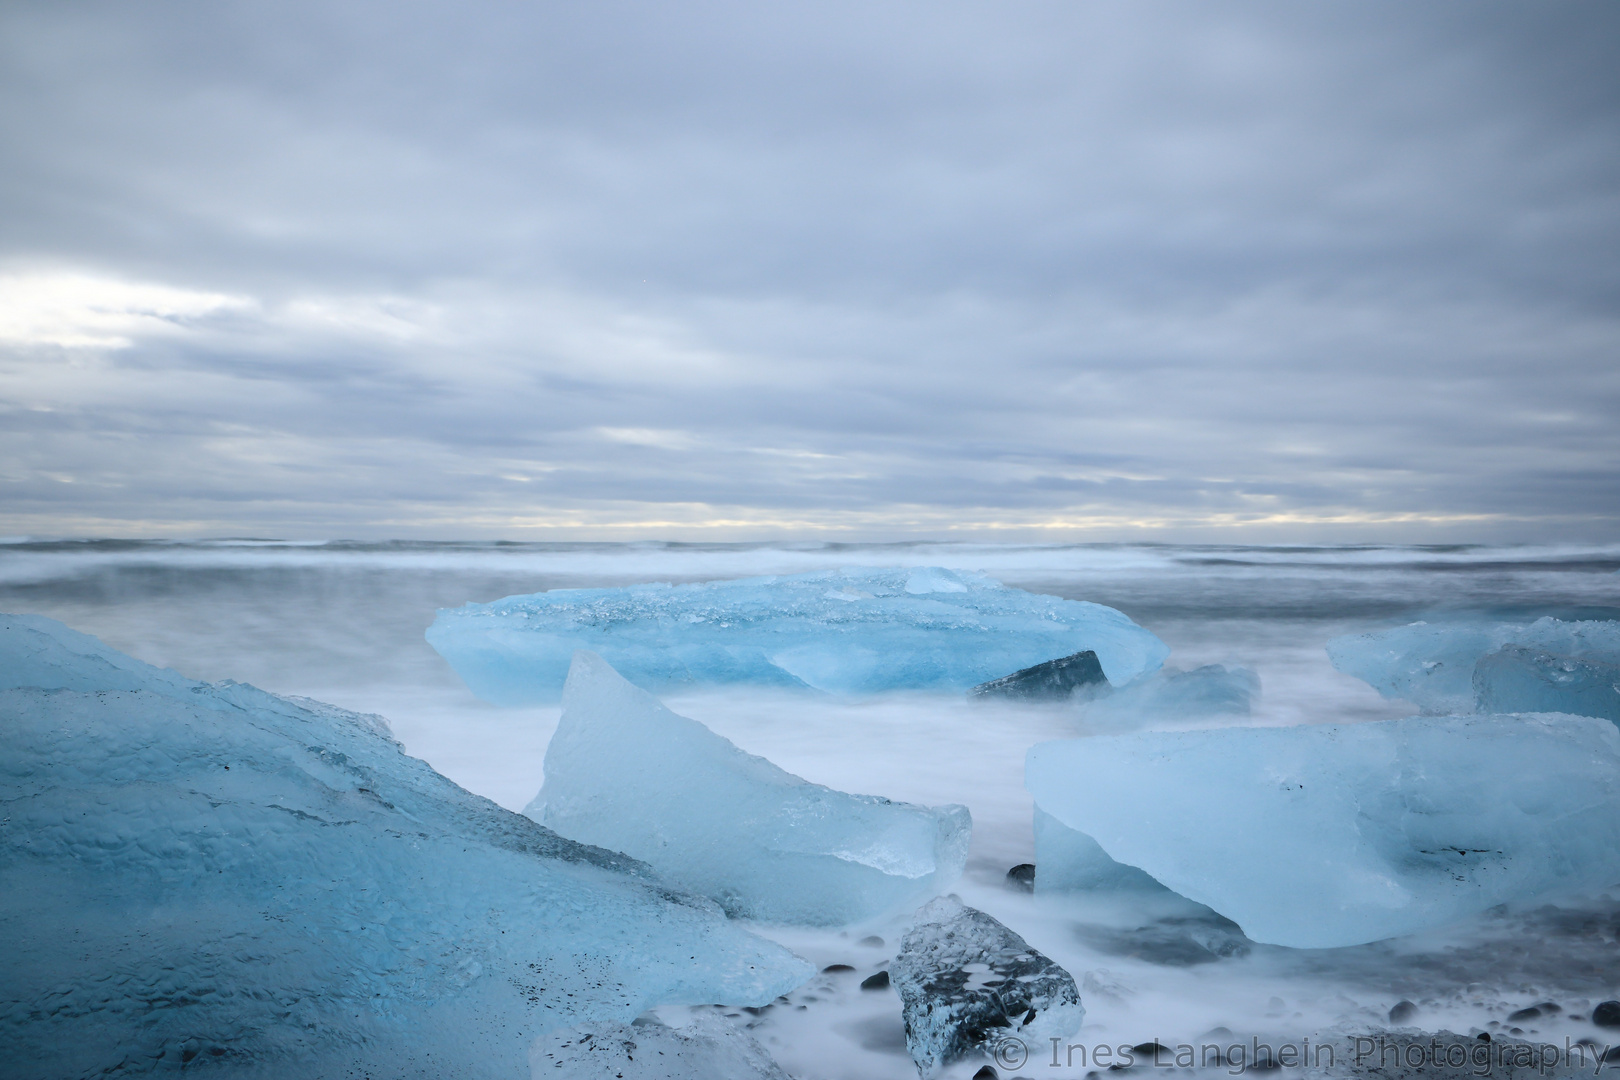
[{"x": 1053, "y": 680}]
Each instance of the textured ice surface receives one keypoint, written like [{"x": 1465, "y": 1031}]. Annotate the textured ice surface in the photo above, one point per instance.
[
  {"x": 966, "y": 983},
  {"x": 1334, "y": 835},
  {"x": 850, "y": 631},
  {"x": 1432, "y": 665},
  {"x": 268, "y": 886},
  {"x": 1518, "y": 679},
  {"x": 1211, "y": 690},
  {"x": 648, "y": 1049},
  {"x": 625, "y": 772}
]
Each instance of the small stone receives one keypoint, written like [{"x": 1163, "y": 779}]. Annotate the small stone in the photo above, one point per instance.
[
  {"x": 833, "y": 969},
  {"x": 1403, "y": 1012},
  {"x": 871, "y": 941},
  {"x": 1523, "y": 1015},
  {"x": 880, "y": 981},
  {"x": 1606, "y": 1014},
  {"x": 1021, "y": 878},
  {"x": 986, "y": 1073}
]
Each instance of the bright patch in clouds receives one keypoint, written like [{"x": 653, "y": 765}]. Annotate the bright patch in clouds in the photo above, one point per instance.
[{"x": 80, "y": 311}]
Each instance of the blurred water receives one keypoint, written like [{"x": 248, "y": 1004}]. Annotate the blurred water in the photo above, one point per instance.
[{"x": 343, "y": 622}]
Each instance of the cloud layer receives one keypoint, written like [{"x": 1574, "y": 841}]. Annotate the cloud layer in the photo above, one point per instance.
[{"x": 1095, "y": 270}]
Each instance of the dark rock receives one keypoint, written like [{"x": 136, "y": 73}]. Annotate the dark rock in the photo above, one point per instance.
[
  {"x": 871, "y": 940},
  {"x": 880, "y": 981},
  {"x": 1524, "y": 1015},
  {"x": 986, "y": 1073},
  {"x": 1174, "y": 942},
  {"x": 833, "y": 968},
  {"x": 1607, "y": 1014},
  {"x": 967, "y": 983},
  {"x": 1055, "y": 680},
  {"x": 1021, "y": 878},
  {"x": 1149, "y": 1052},
  {"x": 1402, "y": 1012}
]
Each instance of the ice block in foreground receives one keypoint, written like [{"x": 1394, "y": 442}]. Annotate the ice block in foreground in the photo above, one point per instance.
[
  {"x": 1335, "y": 835},
  {"x": 625, "y": 772},
  {"x": 213, "y": 875}
]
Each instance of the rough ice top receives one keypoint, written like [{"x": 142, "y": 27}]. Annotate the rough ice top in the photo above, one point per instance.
[
  {"x": 625, "y": 772},
  {"x": 850, "y": 631},
  {"x": 271, "y": 887},
  {"x": 1432, "y": 664},
  {"x": 1336, "y": 835}
]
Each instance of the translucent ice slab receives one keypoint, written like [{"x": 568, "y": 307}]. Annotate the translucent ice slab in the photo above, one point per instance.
[
  {"x": 1335, "y": 835},
  {"x": 1519, "y": 679},
  {"x": 624, "y": 772},
  {"x": 850, "y": 631},
  {"x": 1432, "y": 665}
]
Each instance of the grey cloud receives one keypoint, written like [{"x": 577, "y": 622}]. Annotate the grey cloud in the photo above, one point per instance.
[{"x": 946, "y": 262}]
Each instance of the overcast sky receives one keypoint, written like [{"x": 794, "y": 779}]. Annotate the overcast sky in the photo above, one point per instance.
[{"x": 1031, "y": 270}]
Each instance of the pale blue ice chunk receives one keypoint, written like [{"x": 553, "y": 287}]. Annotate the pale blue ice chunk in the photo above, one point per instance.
[
  {"x": 1211, "y": 690},
  {"x": 42, "y": 653},
  {"x": 851, "y": 631},
  {"x": 1331, "y": 835},
  {"x": 211, "y": 873},
  {"x": 1432, "y": 665},
  {"x": 1067, "y": 860},
  {"x": 1519, "y": 679},
  {"x": 626, "y": 773}
]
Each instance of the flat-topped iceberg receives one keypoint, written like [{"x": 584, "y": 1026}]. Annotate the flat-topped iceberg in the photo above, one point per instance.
[
  {"x": 1432, "y": 664},
  {"x": 625, "y": 772},
  {"x": 1336, "y": 835},
  {"x": 271, "y": 887},
  {"x": 850, "y": 631}
]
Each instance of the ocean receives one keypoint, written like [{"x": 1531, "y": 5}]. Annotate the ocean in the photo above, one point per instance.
[{"x": 343, "y": 622}]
